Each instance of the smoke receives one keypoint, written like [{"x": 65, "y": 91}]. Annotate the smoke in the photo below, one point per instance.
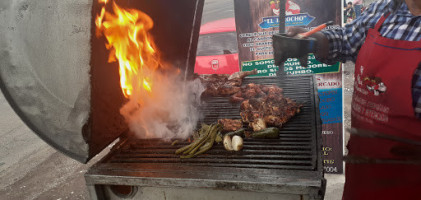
[{"x": 169, "y": 111}]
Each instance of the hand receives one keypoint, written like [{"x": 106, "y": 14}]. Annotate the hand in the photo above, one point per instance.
[
  {"x": 294, "y": 31},
  {"x": 288, "y": 46},
  {"x": 322, "y": 48}
]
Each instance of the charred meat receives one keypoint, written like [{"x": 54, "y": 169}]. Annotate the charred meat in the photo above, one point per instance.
[
  {"x": 252, "y": 90},
  {"x": 262, "y": 106},
  {"x": 269, "y": 108},
  {"x": 230, "y": 125},
  {"x": 223, "y": 84},
  {"x": 258, "y": 124}
]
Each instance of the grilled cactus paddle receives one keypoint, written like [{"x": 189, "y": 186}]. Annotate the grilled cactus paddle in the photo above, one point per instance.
[
  {"x": 268, "y": 133},
  {"x": 239, "y": 132},
  {"x": 218, "y": 138}
]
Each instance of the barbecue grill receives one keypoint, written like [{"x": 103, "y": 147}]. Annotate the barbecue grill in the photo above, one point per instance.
[
  {"x": 286, "y": 168},
  {"x": 64, "y": 89}
]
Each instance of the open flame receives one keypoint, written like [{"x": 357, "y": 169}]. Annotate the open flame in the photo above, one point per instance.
[
  {"x": 161, "y": 104},
  {"x": 127, "y": 34}
]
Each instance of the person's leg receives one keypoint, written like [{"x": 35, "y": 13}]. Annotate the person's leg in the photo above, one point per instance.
[{"x": 357, "y": 9}]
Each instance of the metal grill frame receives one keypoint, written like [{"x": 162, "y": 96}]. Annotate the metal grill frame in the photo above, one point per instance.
[{"x": 301, "y": 182}]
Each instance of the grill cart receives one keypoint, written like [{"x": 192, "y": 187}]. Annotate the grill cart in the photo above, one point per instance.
[{"x": 55, "y": 74}]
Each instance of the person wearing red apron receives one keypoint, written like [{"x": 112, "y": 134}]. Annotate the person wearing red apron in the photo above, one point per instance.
[
  {"x": 384, "y": 151},
  {"x": 385, "y": 160}
]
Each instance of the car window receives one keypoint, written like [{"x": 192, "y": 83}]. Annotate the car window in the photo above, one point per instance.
[{"x": 217, "y": 44}]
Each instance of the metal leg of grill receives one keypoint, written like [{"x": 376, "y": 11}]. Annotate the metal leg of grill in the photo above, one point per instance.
[{"x": 96, "y": 192}]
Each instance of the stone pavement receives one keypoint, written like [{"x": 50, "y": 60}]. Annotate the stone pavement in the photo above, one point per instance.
[{"x": 335, "y": 186}]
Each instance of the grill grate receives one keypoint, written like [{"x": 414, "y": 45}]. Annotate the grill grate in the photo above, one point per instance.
[{"x": 294, "y": 150}]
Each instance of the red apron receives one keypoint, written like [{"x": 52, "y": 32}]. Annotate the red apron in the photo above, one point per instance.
[{"x": 382, "y": 102}]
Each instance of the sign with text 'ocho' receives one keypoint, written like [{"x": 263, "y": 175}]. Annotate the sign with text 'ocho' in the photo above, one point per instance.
[{"x": 257, "y": 21}]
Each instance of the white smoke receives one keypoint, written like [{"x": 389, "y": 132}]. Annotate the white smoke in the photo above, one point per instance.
[{"x": 170, "y": 111}]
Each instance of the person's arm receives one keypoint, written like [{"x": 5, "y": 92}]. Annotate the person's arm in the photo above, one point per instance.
[{"x": 345, "y": 43}]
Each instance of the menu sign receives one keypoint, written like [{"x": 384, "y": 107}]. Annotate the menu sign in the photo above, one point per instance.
[
  {"x": 330, "y": 94},
  {"x": 257, "y": 21},
  {"x": 267, "y": 67}
]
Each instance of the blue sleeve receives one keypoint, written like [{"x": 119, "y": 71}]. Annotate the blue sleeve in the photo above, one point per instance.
[{"x": 345, "y": 43}]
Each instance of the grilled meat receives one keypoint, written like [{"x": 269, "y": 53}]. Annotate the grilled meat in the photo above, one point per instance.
[
  {"x": 230, "y": 125},
  {"x": 223, "y": 84},
  {"x": 261, "y": 105},
  {"x": 241, "y": 75},
  {"x": 237, "y": 97},
  {"x": 252, "y": 90},
  {"x": 270, "y": 106},
  {"x": 258, "y": 124}
]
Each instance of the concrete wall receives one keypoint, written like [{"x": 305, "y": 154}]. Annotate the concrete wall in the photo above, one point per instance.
[{"x": 44, "y": 67}]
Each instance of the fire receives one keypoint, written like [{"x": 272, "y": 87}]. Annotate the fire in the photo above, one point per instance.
[
  {"x": 161, "y": 103},
  {"x": 147, "y": 86},
  {"x": 129, "y": 42}
]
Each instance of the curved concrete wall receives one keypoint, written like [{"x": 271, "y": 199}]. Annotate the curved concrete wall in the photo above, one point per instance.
[{"x": 44, "y": 68}]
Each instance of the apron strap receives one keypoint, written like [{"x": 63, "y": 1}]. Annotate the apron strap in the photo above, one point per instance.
[
  {"x": 381, "y": 21},
  {"x": 403, "y": 150},
  {"x": 372, "y": 134},
  {"x": 366, "y": 160}
]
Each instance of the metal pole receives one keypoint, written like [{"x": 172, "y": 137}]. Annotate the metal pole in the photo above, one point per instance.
[{"x": 282, "y": 4}]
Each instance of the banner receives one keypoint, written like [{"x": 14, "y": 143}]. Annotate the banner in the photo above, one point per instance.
[
  {"x": 331, "y": 112},
  {"x": 257, "y": 21}
]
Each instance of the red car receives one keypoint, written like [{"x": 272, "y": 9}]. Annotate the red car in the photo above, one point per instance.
[{"x": 217, "y": 50}]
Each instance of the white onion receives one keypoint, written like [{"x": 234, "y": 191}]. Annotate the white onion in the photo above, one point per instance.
[
  {"x": 227, "y": 143},
  {"x": 237, "y": 143}
]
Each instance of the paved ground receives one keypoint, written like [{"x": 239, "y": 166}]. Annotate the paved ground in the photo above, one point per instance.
[
  {"x": 30, "y": 169},
  {"x": 335, "y": 182}
]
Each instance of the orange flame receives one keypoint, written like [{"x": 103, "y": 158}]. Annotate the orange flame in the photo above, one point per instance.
[{"x": 129, "y": 42}]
